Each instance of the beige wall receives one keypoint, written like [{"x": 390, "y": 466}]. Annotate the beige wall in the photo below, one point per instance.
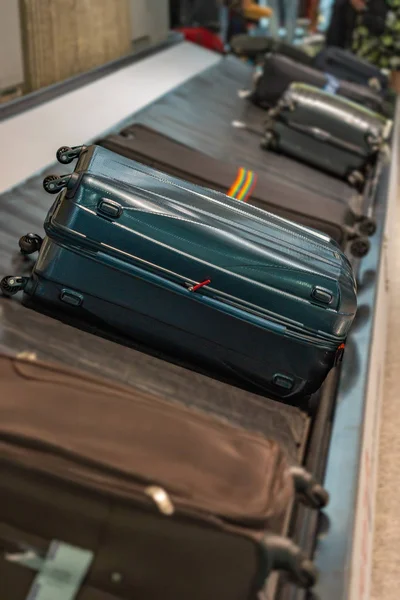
[
  {"x": 149, "y": 18},
  {"x": 11, "y": 69}
]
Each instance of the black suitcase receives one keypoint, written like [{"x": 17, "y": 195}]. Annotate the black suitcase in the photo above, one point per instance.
[
  {"x": 270, "y": 192},
  {"x": 328, "y": 132},
  {"x": 258, "y": 299},
  {"x": 345, "y": 65},
  {"x": 256, "y": 47},
  {"x": 279, "y": 72}
]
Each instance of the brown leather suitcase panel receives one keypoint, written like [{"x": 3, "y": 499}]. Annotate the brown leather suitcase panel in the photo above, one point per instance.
[{"x": 171, "y": 502}]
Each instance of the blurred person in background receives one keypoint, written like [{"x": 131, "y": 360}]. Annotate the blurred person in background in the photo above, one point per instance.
[
  {"x": 376, "y": 35},
  {"x": 242, "y": 13},
  {"x": 237, "y": 23},
  {"x": 341, "y": 24}
]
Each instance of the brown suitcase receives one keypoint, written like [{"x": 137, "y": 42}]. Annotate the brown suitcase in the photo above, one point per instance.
[{"x": 168, "y": 503}]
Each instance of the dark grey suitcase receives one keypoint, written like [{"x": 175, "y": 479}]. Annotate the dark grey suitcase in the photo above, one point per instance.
[
  {"x": 256, "y": 47},
  {"x": 344, "y": 64},
  {"x": 326, "y": 131},
  {"x": 279, "y": 72}
]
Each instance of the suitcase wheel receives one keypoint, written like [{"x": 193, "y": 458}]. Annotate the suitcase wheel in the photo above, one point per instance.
[
  {"x": 269, "y": 141},
  {"x": 356, "y": 179},
  {"x": 317, "y": 497},
  {"x": 286, "y": 556},
  {"x": 127, "y": 134},
  {"x": 66, "y": 155},
  {"x": 367, "y": 226},
  {"x": 360, "y": 247},
  {"x": 375, "y": 143},
  {"x": 310, "y": 492},
  {"x": 30, "y": 243},
  {"x": 11, "y": 285},
  {"x": 307, "y": 575},
  {"x": 53, "y": 184}
]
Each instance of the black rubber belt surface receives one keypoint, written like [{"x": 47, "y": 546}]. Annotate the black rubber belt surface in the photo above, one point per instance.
[{"x": 200, "y": 113}]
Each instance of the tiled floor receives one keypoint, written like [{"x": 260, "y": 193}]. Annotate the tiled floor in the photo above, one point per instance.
[{"x": 386, "y": 567}]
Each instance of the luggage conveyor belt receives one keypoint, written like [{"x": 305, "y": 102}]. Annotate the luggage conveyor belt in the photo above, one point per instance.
[
  {"x": 23, "y": 209},
  {"x": 200, "y": 113},
  {"x": 207, "y": 127}
]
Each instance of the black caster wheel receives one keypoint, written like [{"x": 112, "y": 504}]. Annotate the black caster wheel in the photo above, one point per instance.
[
  {"x": 360, "y": 247},
  {"x": 128, "y": 135},
  {"x": 318, "y": 498},
  {"x": 49, "y": 184},
  {"x": 66, "y": 155},
  {"x": 374, "y": 142},
  {"x": 53, "y": 184},
  {"x": 286, "y": 556},
  {"x": 269, "y": 141},
  {"x": 310, "y": 492},
  {"x": 30, "y": 243},
  {"x": 12, "y": 285},
  {"x": 62, "y": 155},
  {"x": 367, "y": 226},
  {"x": 356, "y": 179},
  {"x": 307, "y": 575}
]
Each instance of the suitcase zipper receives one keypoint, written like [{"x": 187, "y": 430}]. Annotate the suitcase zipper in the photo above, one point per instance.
[
  {"x": 259, "y": 316},
  {"x": 156, "y": 495},
  {"x": 198, "y": 286},
  {"x": 159, "y": 269}
]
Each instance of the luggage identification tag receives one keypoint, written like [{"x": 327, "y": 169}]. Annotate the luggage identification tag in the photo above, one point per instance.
[
  {"x": 332, "y": 84},
  {"x": 244, "y": 185},
  {"x": 61, "y": 573}
]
